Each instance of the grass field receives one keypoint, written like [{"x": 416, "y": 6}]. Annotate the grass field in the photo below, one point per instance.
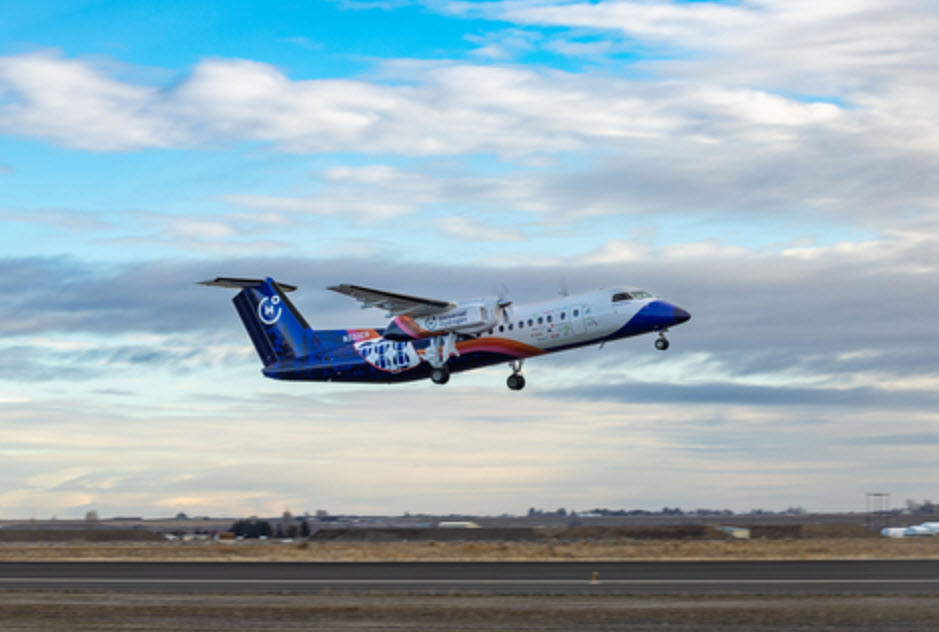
[{"x": 611, "y": 549}]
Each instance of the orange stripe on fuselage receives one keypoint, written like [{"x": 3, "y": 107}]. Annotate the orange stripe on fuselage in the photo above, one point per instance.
[
  {"x": 505, "y": 346},
  {"x": 409, "y": 326}
]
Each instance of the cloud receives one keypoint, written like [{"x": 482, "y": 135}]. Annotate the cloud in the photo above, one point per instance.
[
  {"x": 793, "y": 367},
  {"x": 200, "y": 229},
  {"x": 449, "y": 109},
  {"x": 371, "y": 193},
  {"x": 469, "y": 229},
  {"x": 503, "y": 45},
  {"x": 72, "y": 221},
  {"x": 872, "y": 56},
  {"x": 688, "y": 139},
  {"x": 367, "y": 193},
  {"x": 550, "y": 452},
  {"x": 806, "y": 359},
  {"x": 721, "y": 393},
  {"x": 68, "y": 100},
  {"x": 853, "y": 317}
]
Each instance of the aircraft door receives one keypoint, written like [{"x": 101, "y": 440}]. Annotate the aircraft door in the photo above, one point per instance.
[{"x": 577, "y": 319}]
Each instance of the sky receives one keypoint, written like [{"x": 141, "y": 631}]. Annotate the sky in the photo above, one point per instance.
[{"x": 769, "y": 165}]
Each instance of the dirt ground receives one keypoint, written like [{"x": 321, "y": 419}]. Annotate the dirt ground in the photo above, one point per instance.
[
  {"x": 611, "y": 549},
  {"x": 353, "y": 613}
]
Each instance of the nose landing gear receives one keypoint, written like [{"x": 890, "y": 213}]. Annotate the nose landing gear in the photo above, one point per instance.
[
  {"x": 516, "y": 381},
  {"x": 661, "y": 343}
]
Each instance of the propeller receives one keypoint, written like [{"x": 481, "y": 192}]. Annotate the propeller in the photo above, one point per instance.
[{"x": 504, "y": 303}]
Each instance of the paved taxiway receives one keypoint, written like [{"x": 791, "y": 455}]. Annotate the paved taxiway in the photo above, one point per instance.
[{"x": 877, "y": 577}]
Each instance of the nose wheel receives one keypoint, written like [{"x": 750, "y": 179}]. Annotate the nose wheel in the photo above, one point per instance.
[
  {"x": 516, "y": 381},
  {"x": 661, "y": 343}
]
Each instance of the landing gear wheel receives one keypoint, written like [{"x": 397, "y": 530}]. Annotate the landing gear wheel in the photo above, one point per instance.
[
  {"x": 516, "y": 382},
  {"x": 440, "y": 375},
  {"x": 661, "y": 343}
]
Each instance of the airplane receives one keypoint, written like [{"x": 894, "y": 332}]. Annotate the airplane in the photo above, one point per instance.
[
  {"x": 925, "y": 529},
  {"x": 432, "y": 338}
]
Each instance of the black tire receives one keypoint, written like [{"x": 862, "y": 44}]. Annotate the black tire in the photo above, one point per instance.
[
  {"x": 516, "y": 382},
  {"x": 440, "y": 375},
  {"x": 661, "y": 344}
]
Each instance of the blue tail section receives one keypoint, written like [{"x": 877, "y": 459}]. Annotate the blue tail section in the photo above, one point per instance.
[{"x": 276, "y": 328}]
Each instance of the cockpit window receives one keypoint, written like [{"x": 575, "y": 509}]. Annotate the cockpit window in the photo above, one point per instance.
[{"x": 635, "y": 295}]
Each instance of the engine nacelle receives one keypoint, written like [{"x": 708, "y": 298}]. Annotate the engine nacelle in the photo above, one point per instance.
[{"x": 467, "y": 318}]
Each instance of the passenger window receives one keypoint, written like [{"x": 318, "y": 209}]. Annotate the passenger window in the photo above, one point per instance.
[
  {"x": 521, "y": 324},
  {"x": 511, "y": 326},
  {"x": 540, "y": 320},
  {"x": 549, "y": 318},
  {"x": 530, "y": 322},
  {"x": 576, "y": 313},
  {"x": 501, "y": 328},
  {"x": 563, "y": 315}
]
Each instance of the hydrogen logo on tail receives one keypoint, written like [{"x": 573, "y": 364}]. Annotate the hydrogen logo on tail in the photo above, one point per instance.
[{"x": 269, "y": 310}]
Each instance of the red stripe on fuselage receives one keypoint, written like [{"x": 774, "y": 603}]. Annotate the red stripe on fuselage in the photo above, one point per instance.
[{"x": 358, "y": 335}]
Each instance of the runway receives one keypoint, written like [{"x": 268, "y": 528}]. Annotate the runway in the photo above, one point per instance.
[{"x": 879, "y": 577}]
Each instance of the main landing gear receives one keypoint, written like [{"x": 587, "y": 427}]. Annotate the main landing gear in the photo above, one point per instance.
[
  {"x": 516, "y": 381},
  {"x": 440, "y": 374},
  {"x": 441, "y": 349},
  {"x": 661, "y": 343}
]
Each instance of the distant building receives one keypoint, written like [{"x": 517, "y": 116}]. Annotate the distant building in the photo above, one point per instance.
[
  {"x": 457, "y": 524},
  {"x": 739, "y": 533}
]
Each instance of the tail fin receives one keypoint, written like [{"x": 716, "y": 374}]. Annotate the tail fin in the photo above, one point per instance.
[{"x": 276, "y": 328}]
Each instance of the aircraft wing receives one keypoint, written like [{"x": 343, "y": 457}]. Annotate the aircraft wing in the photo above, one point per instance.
[{"x": 396, "y": 304}]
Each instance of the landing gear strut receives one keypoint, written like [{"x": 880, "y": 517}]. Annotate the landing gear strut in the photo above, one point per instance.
[
  {"x": 516, "y": 381},
  {"x": 661, "y": 343}
]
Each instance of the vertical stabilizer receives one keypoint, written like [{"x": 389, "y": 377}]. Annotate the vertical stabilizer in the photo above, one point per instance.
[{"x": 276, "y": 328}]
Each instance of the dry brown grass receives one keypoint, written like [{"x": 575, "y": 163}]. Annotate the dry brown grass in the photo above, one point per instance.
[{"x": 613, "y": 550}]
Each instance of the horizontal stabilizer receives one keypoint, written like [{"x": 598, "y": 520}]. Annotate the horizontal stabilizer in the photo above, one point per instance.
[{"x": 236, "y": 283}]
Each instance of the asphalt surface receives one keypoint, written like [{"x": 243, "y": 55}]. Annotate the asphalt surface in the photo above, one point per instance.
[{"x": 884, "y": 577}]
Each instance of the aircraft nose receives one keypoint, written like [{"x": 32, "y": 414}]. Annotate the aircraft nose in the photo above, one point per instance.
[{"x": 681, "y": 315}]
